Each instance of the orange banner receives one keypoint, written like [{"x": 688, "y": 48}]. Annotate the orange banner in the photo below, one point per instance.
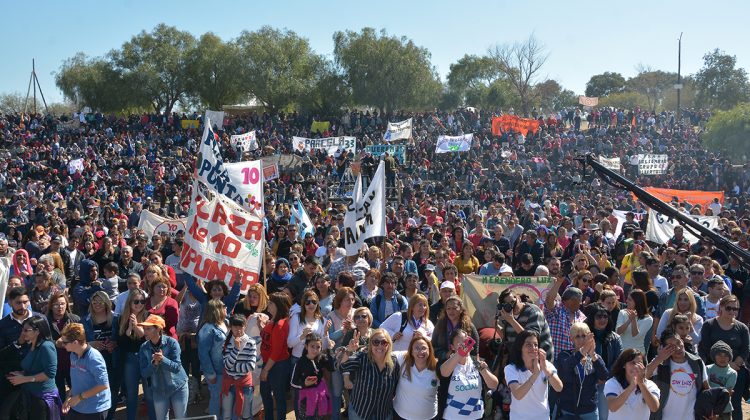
[
  {"x": 694, "y": 197},
  {"x": 507, "y": 123}
]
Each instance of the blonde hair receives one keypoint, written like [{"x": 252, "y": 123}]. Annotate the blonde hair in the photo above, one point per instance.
[
  {"x": 578, "y": 327},
  {"x": 389, "y": 365},
  {"x": 691, "y": 300},
  {"x": 413, "y": 303},
  {"x": 126, "y": 311},
  {"x": 366, "y": 311},
  {"x": 107, "y": 306}
]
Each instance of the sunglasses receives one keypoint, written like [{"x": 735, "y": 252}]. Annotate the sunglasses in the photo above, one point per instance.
[
  {"x": 378, "y": 342},
  {"x": 65, "y": 342},
  {"x": 602, "y": 316},
  {"x": 732, "y": 309},
  {"x": 139, "y": 301},
  {"x": 361, "y": 316},
  {"x": 311, "y": 302}
]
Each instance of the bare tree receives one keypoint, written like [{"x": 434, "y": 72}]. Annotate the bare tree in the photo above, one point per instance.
[{"x": 521, "y": 63}]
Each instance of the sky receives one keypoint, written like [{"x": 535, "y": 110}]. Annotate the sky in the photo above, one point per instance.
[{"x": 583, "y": 38}]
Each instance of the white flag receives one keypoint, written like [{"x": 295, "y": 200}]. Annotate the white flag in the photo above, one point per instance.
[
  {"x": 247, "y": 142},
  {"x": 302, "y": 220},
  {"x": 610, "y": 163},
  {"x": 452, "y": 144},
  {"x": 365, "y": 214},
  {"x": 152, "y": 224},
  {"x": 398, "y": 130},
  {"x": 216, "y": 118},
  {"x": 660, "y": 228}
]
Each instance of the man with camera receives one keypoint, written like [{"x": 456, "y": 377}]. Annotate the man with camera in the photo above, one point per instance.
[{"x": 516, "y": 314}]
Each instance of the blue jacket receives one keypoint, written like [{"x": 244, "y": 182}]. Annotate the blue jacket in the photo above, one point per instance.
[
  {"x": 202, "y": 297},
  {"x": 83, "y": 290},
  {"x": 210, "y": 347},
  {"x": 168, "y": 376},
  {"x": 377, "y": 306},
  {"x": 581, "y": 396}
]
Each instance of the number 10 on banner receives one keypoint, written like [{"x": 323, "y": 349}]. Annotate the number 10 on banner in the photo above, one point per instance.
[{"x": 252, "y": 175}]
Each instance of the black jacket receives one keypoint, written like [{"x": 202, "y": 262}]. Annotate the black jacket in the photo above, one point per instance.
[{"x": 579, "y": 397}]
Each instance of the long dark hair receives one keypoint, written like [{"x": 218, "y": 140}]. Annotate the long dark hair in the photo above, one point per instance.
[
  {"x": 641, "y": 305},
  {"x": 618, "y": 368},
  {"x": 282, "y": 302},
  {"x": 516, "y": 354},
  {"x": 40, "y": 324}
]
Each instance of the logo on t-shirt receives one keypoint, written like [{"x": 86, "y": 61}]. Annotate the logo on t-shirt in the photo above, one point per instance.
[{"x": 682, "y": 382}]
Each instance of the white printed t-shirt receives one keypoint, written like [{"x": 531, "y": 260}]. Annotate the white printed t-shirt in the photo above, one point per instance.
[
  {"x": 464, "y": 394},
  {"x": 533, "y": 406},
  {"x": 682, "y": 391},
  {"x": 634, "y": 408}
]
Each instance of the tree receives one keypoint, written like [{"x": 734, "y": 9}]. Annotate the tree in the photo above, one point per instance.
[
  {"x": 470, "y": 78},
  {"x": 214, "y": 68},
  {"x": 719, "y": 84},
  {"x": 329, "y": 93},
  {"x": 96, "y": 83},
  {"x": 385, "y": 71},
  {"x": 157, "y": 65},
  {"x": 278, "y": 67},
  {"x": 687, "y": 95},
  {"x": 652, "y": 84},
  {"x": 11, "y": 103},
  {"x": 603, "y": 84},
  {"x": 729, "y": 131},
  {"x": 553, "y": 97},
  {"x": 625, "y": 100},
  {"x": 521, "y": 64}
]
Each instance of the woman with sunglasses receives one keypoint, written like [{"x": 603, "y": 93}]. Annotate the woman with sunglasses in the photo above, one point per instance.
[
  {"x": 90, "y": 396},
  {"x": 100, "y": 325},
  {"x": 210, "y": 339},
  {"x": 725, "y": 327},
  {"x": 581, "y": 370},
  {"x": 129, "y": 338},
  {"x": 377, "y": 371},
  {"x": 58, "y": 316},
  {"x": 583, "y": 280},
  {"x": 362, "y": 325},
  {"x": 608, "y": 344},
  {"x": 309, "y": 320},
  {"x": 37, "y": 379}
]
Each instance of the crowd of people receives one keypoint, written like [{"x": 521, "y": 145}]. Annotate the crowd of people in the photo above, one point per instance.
[{"x": 97, "y": 309}]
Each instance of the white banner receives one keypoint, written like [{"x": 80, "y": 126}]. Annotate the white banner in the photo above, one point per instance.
[
  {"x": 246, "y": 142},
  {"x": 153, "y": 223},
  {"x": 75, "y": 165},
  {"x": 620, "y": 216},
  {"x": 4, "y": 272},
  {"x": 330, "y": 144},
  {"x": 365, "y": 214},
  {"x": 302, "y": 220},
  {"x": 222, "y": 240},
  {"x": 452, "y": 144},
  {"x": 652, "y": 164},
  {"x": 398, "y": 130},
  {"x": 242, "y": 182},
  {"x": 660, "y": 228},
  {"x": 611, "y": 163},
  {"x": 588, "y": 101},
  {"x": 216, "y": 118}
]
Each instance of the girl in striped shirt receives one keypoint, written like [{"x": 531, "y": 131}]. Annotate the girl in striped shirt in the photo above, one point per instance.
[{"x": 239, "y": 362}]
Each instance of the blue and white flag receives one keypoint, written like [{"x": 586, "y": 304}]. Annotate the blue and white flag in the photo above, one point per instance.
[
  {"x": 398, "y": 130},
  {"x": 302, "y": 220},
  {"x": 453, "y": 144}
]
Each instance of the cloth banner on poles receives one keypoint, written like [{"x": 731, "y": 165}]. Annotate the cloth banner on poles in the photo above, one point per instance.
[
  {"x": 189, "y": 124},
  {"x": 246, "y": 142},
  {"x": 479, "y": 294},
  {"x": 330, "y": 144},
  {"x": 661, "y": 228},
  {"x": 653, "y": 164},
  {"x": 75, "y": 165},
  {"x": 320, "y": 126},
  {"x": 241, "y": 182},
  {"x": 611, "y": 163},
  {"x": 302, "y": 220},
  {"x": 588, "y": 101},
  {"x": 452, "y": 144},
  {"x": 152, "y": 224},
  {"x": 398, "y": 130},
  {"x": 507, "y": 123},
  {"x": 365, "y": 214},
  {"x": 216, "y": 118},
  {"x": 222, "y": 240},
  {"x": 620, "y": 216},
  {"x": 398, "y": 151},
  {"x": 694, "y": 197}
]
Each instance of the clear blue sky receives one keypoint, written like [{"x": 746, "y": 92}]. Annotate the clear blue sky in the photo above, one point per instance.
[{"x": 583, "y": 38}]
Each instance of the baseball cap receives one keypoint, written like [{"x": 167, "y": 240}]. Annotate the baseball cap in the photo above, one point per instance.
[
  {"x": 448, "y": 285},
  {"x": 153, "y": 321}
]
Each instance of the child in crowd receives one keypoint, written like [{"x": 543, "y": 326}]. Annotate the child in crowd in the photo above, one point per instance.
[
  {"x": 681, "y": 326},
  {"x": 314, "y": 400},
  {"x": 721, "y": 375}
]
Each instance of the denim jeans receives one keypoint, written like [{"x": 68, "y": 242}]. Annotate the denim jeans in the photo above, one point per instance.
[
  {"x": 177, "y": 401},
  {"x": 227, "y": 404},
  {"x": 131, "y": 378},
  {"x": 275, "y": 388},
  {"x": 214, "y": 397},
  {"x": 337, "y": 391},
  {"x": 594, "y": 415},
  {"x": 602, "y": 402}
]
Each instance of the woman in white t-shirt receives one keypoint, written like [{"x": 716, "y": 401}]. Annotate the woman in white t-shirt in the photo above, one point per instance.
[
  {"x": 463, "y": 377},
  {"x": 528, "y": 374},
  {"x": 630, "y": 396},
  {"x": 634, "y": 322},
  {"x": 416, "y": 393},
  {"x": 418, "y": 319}
]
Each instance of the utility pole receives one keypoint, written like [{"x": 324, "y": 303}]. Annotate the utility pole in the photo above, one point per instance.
[
  {"x": 34, "y": 81},
  {"x": 679, "y": 79}
]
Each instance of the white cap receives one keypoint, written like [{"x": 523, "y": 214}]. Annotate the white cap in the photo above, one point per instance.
[{"x": 447, "y": 285}]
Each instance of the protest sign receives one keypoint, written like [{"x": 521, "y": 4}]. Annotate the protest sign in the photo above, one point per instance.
[
  {"x": 398, "y": 130},
  {"x": 365, "y": 214},
  {"x": 610, "y": 163},
  {"x": 242, "y": 181},
  {"x": 68, "y": 125},
  {"x": 398, "y": 151},
  {"x": 185, "y": 124},
  {"x": 694, "y": 197},
  {"x": 452, "y": 144},
  {"x": 507, "y": 123},
  {"x": 660, "y": 228},
  {"x": 246, "y": 142},
  {"x": 620, "y": 216},
  {"x": 152, "y": 224},
  {"x": 652, "y": 164},
  {"x": 320, "y": 126},
  {"x": 479, "y": 294},
  {"x": 461, "y": 203},
  {"x": 216, "y": 118},
  {"x": 222, "y": 240},
  {"x": 302, "y": 220},
  {"x": 588, "y": 101},
  {"x": 270, "y": 171},
  {"x": 75, "y": 165},
  {"x": 330, "y": 144}
]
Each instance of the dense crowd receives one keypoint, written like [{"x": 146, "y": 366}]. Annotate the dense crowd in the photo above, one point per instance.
[{"x": 97, "y": 308}]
